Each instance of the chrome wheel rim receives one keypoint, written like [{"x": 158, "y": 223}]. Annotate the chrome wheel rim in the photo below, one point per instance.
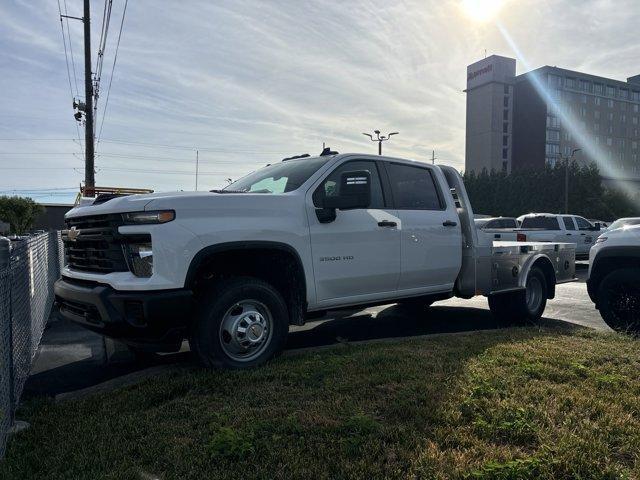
[
  {"x": 533, "y": 294},
  {"x": 246, "y": 330}
]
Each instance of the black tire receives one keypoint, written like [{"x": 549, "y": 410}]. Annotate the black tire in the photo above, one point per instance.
[
  {"x": 520, "y": 307},
  {"x": 211, "y": 340},
  {"x": 619, "y": 300}
]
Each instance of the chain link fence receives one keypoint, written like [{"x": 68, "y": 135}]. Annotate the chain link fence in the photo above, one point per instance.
[{"x": 26, "y": 298}]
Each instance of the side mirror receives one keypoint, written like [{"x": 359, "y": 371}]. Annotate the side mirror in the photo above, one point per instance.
[
  {"x": 596, "y": 227},
  {"x": 354, "y": 192}
]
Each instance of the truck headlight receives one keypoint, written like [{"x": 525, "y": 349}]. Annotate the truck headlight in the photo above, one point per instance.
[
  {"x": 147, "y": 218},
  {"x": 601, "y": 239},
  {"x": 141, "y": 258}
]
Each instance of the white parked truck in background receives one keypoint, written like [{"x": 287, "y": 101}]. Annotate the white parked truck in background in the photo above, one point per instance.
[
  {"x": 614, "y": 277},
  {"x": 231, "y": 269},
  {"x": 548, "y": 227}
]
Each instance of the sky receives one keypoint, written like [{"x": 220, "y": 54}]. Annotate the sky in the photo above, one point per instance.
[{"x": 246, "y": 83}]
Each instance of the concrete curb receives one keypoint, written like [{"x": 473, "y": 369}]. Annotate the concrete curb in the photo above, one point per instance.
[
  {"x": 141, "y": 375},
  {"x": 120, "y": 382}
]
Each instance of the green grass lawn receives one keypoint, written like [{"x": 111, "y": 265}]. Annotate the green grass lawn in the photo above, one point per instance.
[{"x": 518, "y": 403}]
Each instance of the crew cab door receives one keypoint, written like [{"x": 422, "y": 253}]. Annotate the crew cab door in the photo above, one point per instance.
[
  {"x": 586, "y": 236},
  {"x": 571, "y": 233},
  {"x": 356, "y": 256},
  {"x": 431, "y": 238}
]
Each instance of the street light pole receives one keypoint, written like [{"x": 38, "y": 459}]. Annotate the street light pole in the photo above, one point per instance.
[
  {"x": 379, "y": 138},
  {"x": 566, "y": 178}
]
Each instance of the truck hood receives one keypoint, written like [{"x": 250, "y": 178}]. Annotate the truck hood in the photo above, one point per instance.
[{"x": 178, "y": 201}]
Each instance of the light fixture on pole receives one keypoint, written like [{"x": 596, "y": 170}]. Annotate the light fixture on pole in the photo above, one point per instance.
[
  {"x": 380, "y": 138},
  {"x": 566, "y": 177}
]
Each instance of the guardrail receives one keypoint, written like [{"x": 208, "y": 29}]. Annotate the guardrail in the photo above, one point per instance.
[{"x": 26, "y": 298}]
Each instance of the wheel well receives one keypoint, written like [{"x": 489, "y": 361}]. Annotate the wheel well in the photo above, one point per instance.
[
  {"x": 604, "y": 266},
  {"x": 545, "y": 265},
  {"x": 280, "y": 267}
]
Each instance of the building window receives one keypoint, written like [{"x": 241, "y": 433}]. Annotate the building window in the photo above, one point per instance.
[
  {"x": 596, "y": 114},
  {"x": 506, "y": 89},
  {"x": 554, "y": 80},
  {"x": 634, "y": 145},
  {"x": 583, "y": 98},
  {"x": 584, "y": 86},
  {"x": 505, "y": 140},
  {"x": 567, "y": 136},
  {"x": 505, "y": 128},
  {"x": 636, "y": 108},
  {"x": 505, "y": 102},
  {"x": 623, "y": 118},
  {"x": 610, "y": 116},
  {"x": 623, "y": 106},
  {"x": 610, "y": 103},
  {"x": 634, "y": 157},
  {"x": 504, "y": 166},
  {"x": 597, "y": 140},
  {"x": 597, "y": 100},
  {"x": 596, "y": 127},
  {"x": 505, "y": 115},
  {"x": 635, "y": 96},
  {"x": 610, "y": 129},
  {"x": 634, "y": 120},
  {"x": 552, "y": 149},
  {"x": 611, "y": 91},
  {"x": 583, "y": 112},
  {"x": 570, "y": 82},
  {"x": 567, "y": 150},
  {"x": 553, "y": 136},
  {"x": 505, "y": 153},
  {"x": 609, "y": 141},
  {"x": 598, "y": 88},
  {"x": 553, "y": 122},
  {"x": 623, "y": 144},
  {"x": 624, "y": 93}
]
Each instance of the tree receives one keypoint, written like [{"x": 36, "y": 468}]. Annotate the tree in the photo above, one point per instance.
[
  {"x": 496, "y": 193},
  {"x": 19, "y": 212}
]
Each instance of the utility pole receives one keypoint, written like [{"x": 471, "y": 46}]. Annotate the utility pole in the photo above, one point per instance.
[
  {"x": 89, "y": 167},
  {"x": 379, "y": 139},
  {"x": 566, "y": 178},
  {"x": 197, "y": 161},
  {"x": 433, "y": 157}
]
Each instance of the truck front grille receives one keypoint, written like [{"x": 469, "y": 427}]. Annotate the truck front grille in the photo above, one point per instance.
[{"x": 93, "y": 244}]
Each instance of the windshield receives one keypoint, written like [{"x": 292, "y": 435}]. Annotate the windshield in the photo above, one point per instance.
[
  {"x": 623, "y": 222},
  {"x": 278, "y": 178}
]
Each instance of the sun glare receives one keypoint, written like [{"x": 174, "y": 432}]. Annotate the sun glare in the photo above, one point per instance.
[{"x": 482, "y": 10}]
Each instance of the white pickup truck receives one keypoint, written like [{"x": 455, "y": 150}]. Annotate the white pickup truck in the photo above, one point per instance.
[
  {"x": 231, "y": 269},
  {"x": 548, "y": 227}
]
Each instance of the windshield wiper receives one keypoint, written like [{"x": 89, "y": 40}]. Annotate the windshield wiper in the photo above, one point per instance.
[{"x": 227, "y": 191}]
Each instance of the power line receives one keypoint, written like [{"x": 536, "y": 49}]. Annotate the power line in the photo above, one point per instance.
[
  {"x": 113, "y": 67},
  {"x": 102, "y": 44},
  {"x": 66, "y": 58},
  {"x": 73, "y": 62}
]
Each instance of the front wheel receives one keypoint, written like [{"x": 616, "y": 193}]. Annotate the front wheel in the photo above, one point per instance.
[
  {"x": 240, "y": 323},
  {"x": 524, "y": 305},
  {"x": 619, "y": 300}
]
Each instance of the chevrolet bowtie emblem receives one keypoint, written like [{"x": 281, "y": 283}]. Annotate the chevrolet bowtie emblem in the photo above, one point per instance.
[{"x": 72, "y": 234}]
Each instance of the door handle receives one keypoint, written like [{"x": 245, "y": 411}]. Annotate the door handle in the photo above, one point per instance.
[
  {"x": 387, "y": 223},
  {"x": 497, "y": 235},
  {"x": 568, "y": 234},
  {"x": 449, "y": 223}
]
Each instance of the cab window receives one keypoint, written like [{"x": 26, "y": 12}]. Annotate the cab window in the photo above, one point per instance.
[
  {"x": 330, "y": 187},
  {"x": 568, "y": 223},
  {"x": 583, "y": 224},
  {"x": 414, "y": 188}
]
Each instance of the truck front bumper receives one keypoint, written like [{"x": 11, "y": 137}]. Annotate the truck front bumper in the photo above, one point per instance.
[{"x": 153, "y": 320}]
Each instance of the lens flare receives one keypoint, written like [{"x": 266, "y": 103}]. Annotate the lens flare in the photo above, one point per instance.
[{"x": 481, "y": 10}]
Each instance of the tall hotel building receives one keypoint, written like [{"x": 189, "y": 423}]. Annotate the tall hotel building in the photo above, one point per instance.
[{"x": 517, "y": 122}]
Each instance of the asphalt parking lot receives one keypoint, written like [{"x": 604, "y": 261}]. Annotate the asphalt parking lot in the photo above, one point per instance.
[{"x": 72, "y": 358}]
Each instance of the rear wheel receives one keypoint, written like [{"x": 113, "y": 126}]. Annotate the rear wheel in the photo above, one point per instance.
[
  {"x": 525, "y": 305},
  {"x": 240, "y": 323},
  {"x": 619, "y": 300}
]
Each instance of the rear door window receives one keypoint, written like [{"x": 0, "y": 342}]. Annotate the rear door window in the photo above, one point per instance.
[
  {"x": 331, "y": 185},
  {"x": 413, "y": 188},
  {"x": 545, "y": 223},
  {"x": 568, "y": 223}
]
